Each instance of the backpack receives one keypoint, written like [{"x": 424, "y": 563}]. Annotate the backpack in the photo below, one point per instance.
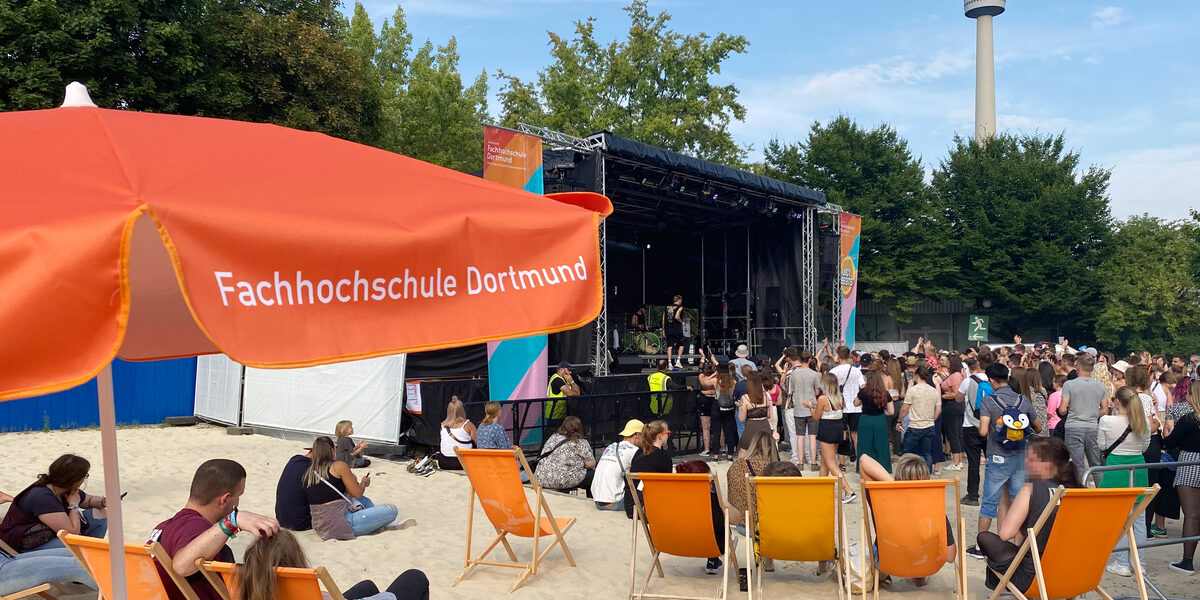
[
  {"x": 725, "y": 401},
  {"x": 1014, "y": 429}
]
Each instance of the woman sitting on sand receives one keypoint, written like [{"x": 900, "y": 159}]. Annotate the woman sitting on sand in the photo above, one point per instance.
[
  {"x": 330, "y": 485},
  {"x": 491, "y": 435},
  {"x": 54, "y": 503},
  {"x": 909, "y": 467},
  {"x": 256, "y": 578},
  {"x": 457, "y": 432},
  {"x": 567, "y": 461}
]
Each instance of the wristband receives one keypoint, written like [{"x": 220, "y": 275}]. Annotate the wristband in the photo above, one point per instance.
[{"x": 225, "y": 529}]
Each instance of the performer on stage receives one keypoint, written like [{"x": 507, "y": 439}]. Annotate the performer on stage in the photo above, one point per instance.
[{"x": 673, "y": 331}]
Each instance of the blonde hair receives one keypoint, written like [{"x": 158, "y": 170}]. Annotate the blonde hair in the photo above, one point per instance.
[
  {"x": 491, "y": 413},
  {"x": 832, "y": 390},
  {"x": 1100, "y": 373},
  {"x": 455, "y": 413},
  {"x": 1193, "y": 396},
  {"x": 649, "y": 432},
  {"x": 763, "y": 445},
  {"x": 256, "y": 576},
  {"x": 322, "y": 458},
  {"x": 1128, "y": 398},
  {"x": 342, "y": 429},
  {"x": 910, "y": 467}
]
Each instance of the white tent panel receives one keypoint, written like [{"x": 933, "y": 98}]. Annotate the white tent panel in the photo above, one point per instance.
[
  {"x": 313, "y": 399},
  {"x": 218, "y": 388}
]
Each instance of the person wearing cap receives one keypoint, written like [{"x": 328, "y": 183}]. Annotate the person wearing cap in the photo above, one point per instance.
[
  {"x": 562, "y": 384},
  {"x": 608, "y": 483},
  {"x": 742, "y": 360}
]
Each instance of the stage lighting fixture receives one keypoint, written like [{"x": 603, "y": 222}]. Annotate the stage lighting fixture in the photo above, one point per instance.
[
  {"x": 706, "y": 190},
  {"x": 741, "y": 200}
]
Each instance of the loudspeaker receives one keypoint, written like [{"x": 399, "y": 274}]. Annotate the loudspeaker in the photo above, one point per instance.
[
  {"x": 628, "y": 364},
  {"x": 772, "y": 346},
  {"x": 830, "y": 249},
  {"x": 722, "y": 358}
]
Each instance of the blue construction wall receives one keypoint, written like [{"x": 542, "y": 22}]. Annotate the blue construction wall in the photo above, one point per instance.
[{"x": 144, "y": 393}]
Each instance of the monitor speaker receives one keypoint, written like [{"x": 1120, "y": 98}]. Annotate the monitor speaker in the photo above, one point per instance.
[{"x": 628, "y": 364}]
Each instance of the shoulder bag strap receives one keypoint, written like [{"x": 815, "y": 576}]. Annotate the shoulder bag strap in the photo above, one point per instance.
[
  {"x": 1113, "y": 446},
  {"x": 339, "y": 492},
  {"x": 453, "y": 437},
  {"x": 556, "y": 447}
]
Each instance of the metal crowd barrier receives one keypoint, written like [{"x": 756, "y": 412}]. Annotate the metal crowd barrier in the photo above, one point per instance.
[{"x": 1142, "y": 544}]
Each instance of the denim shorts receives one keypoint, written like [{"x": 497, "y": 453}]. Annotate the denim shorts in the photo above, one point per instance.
[{"x": 996, "y": 476}]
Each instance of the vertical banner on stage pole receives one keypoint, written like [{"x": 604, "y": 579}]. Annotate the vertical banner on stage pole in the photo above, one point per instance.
[
  {"x": 851, "y": 228},
  {"x": 517, "y": 368}
]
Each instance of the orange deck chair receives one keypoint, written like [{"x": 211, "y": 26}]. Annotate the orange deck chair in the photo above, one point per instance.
[
  {"x": 496, "y": 480},
  {"x": 909, "y": 520},
  {"x": 141, "y": 576},
  {"x": 293, "y": 583},
  {"x": 816, "y": 533},
  {"x": 675, "y": 514},
  {"x": 1088, "y": 524}
]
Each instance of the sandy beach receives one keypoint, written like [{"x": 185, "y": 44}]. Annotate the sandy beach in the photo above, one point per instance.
[{"x": 157, "y": 465}]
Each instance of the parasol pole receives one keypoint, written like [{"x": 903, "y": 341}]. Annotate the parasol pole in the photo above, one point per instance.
[{"x": 112, "y": 482}]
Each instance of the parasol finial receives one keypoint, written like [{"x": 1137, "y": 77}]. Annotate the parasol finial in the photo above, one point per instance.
[{"x": 77, "y": 95}]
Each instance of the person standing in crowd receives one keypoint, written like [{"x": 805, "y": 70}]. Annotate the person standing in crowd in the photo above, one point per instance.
[
  {"x": 755, "y": 410},
  {"x": 1125, "y": 436},
  {"x": 804, "y": 385},
  {"x": 1183, "y": 441},
  {"x": 54, "y": 502},
  {"x": 457, "y": 432},
  {"x": 739, "y": 390},
  {"x": 743, "y": 360},
  {"x": 851, "y": 380},
  {"x": 952, "y": 411},
  {"x": 922, "y": 407},
  {"x": 1166, "y": 502},
  {"x": 1054, "y": 421},
  {"x": 673, "y": 331},
  {"x": 608, "y": 483},
  {"x": 973, "y": 390},
  {"x": 1030, "y": 384},
  {"x": 560, "y": 387},
  {"x": 659, "y": 381},
  {"x": 787, "y": 363},
  {"x": 1101, "y": 373},
  {"x": 724, "y": 417},
  {"x": 705, "y": 400},
  {"x": 348, "y": 451},
  {"x": 650, "y": 457},
  {"x": 1083, "y": 401},
  {"x": 893, "y": 377},
  {"x": 875, "y": 404},
  {"x": 567, "y": 461},
  {"x": 1005, "y": 465},
  {"x": 491, "y": 434},
  {"x": 831, "y": 430}
]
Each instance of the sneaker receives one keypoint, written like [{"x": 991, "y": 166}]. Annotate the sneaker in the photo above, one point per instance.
[
  {"x": 743, "y": 582},
  {"x": 1120, "y": 570},
  {"x": 975, "y": 552},
  {"x": 705, "y": 453},
  {"x": 920, "y": 581},
  {"x": 1158, "y": 532},
  {"x": 399, "y": 524},
  {"x": 848, "y": 498},
  {"x": 957, "y": 467},
  {"x": 970, "y": 500},
  {"x": 713, "y": 566},
  {"x": 842, "y": 467},
  {"x": 814, "y": 468},
  {"x": 1184, "y": 566}
]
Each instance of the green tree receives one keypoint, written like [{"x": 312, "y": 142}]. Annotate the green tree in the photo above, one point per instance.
[
  {"x": 872, "y": 173},
  {"x": 654, "y": 87},
  {"x": 439, "y": 119},
  {"x": 1027, "y": 230},
  {"x": 1150, "y": 294}
]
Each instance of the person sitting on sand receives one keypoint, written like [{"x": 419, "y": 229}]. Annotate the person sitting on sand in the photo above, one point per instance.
[
  {"x": 30, "y": 569},
  {"x": 291, "y": 503},
  {"x": 256, "y": 577},
  {"x": 713, "y": 565},
  {"x": 909, "y": 467},
  {"x": 330, "y": 485},
  {"x": 348, "y": 451},
  {"x": 567, "y": 461},
  {"x": 53, "y": 503},
  {"x": 760, "y": 451},
  {"x": 208, "y": 520},
  {"x": 491, "y": 435},
  {"x": 608, "y": 483},
  {"x": 457, "y": 432}
]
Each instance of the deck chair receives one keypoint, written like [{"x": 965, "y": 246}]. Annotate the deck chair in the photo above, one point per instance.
[
  {"x": 675, "y": 514},
  {"x": 817, "y": 533},
  {"x": 496, "y": 480},
  {"x": 141, "y": 575},
  {"x": 909, "y": 526},
  {"x": 293, "y": 583},
  {"x": 41, "y": 590},
  {"x": 1088, "y": 524}
]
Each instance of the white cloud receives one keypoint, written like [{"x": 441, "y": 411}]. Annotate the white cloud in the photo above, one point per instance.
[
  {"x": 1158, "y": 181},
  {"x": 1108, "y": 16}
]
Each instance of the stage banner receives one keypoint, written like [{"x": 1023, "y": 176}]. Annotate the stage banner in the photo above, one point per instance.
[
  {"x": 517, "y": 368},
  {"x": 851, "y": 228}
]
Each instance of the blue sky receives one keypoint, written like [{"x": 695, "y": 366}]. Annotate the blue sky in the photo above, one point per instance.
[{"x": 1119, "y": 79}]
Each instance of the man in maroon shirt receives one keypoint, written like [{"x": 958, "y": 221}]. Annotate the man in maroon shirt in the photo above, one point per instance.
[{"x": 208, "y": 520}]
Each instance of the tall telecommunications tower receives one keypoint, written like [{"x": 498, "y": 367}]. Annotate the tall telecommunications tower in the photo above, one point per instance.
[{"x": 985, "y": 74}]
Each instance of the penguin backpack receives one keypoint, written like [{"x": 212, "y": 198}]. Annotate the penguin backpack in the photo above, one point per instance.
[{"x": 1013, "y": 428}]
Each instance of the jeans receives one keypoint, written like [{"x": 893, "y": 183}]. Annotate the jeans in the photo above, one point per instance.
[
  {"x": 1139, "y": 534},
  {"x": 920, "y": 442},
  {"x": 789, "y": 429},
  {"x": 974, "y": 444},
  {"x": 741, "y": 426},
  {"x": 1011, "y": 473},
  {"x": 96, "y": 528},
  {"x": 372, "y": 518},
  {"x": 34, "y": 568},
  {"x": 1081, "y": 443},
  {"x": 618, "y": 505}
]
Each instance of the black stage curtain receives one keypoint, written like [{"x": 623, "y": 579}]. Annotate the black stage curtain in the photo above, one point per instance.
[{"x": 467, "y": 361}]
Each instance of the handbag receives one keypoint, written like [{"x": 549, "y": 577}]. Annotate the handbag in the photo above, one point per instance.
[
  {"x": 355, "y": 504},
  {"x": 846, "y": 447}
]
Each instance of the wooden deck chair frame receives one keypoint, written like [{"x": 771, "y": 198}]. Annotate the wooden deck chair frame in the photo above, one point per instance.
[
  {"x": 1031, "y": 545},
  {"x": 153, "y": 550},
  {"x": 640, "y": 523},
  {"x": 866, "y": 533},
  {"x": 220, "y": 575},
  {"x": 754, "y": 567},
  {"x": 43, "y": 593},
  {"x": 42, "y": 590},
  {"x": 540, "y": 509}
]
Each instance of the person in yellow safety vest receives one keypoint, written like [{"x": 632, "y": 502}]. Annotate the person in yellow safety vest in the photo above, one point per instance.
[
  {"x": 660, "y": 404},
  {"x": 561, "y": 385}
]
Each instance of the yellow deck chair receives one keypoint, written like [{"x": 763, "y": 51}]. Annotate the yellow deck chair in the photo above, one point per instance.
[
  {"x": 1088, "y": 524},
  {"x": 141, "y": 577},
  {"x": 675, "y": 514},
  {"x": 41, "y": 590},
  {"x": 815, "y": 533},
  {"x": 496, "y": 480},
  {"x": 293, "y": 583},
  {"x": 909, "y": 520}
]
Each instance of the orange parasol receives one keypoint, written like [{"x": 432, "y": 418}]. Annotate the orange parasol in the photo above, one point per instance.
[{"x": 150, "y": 236}]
